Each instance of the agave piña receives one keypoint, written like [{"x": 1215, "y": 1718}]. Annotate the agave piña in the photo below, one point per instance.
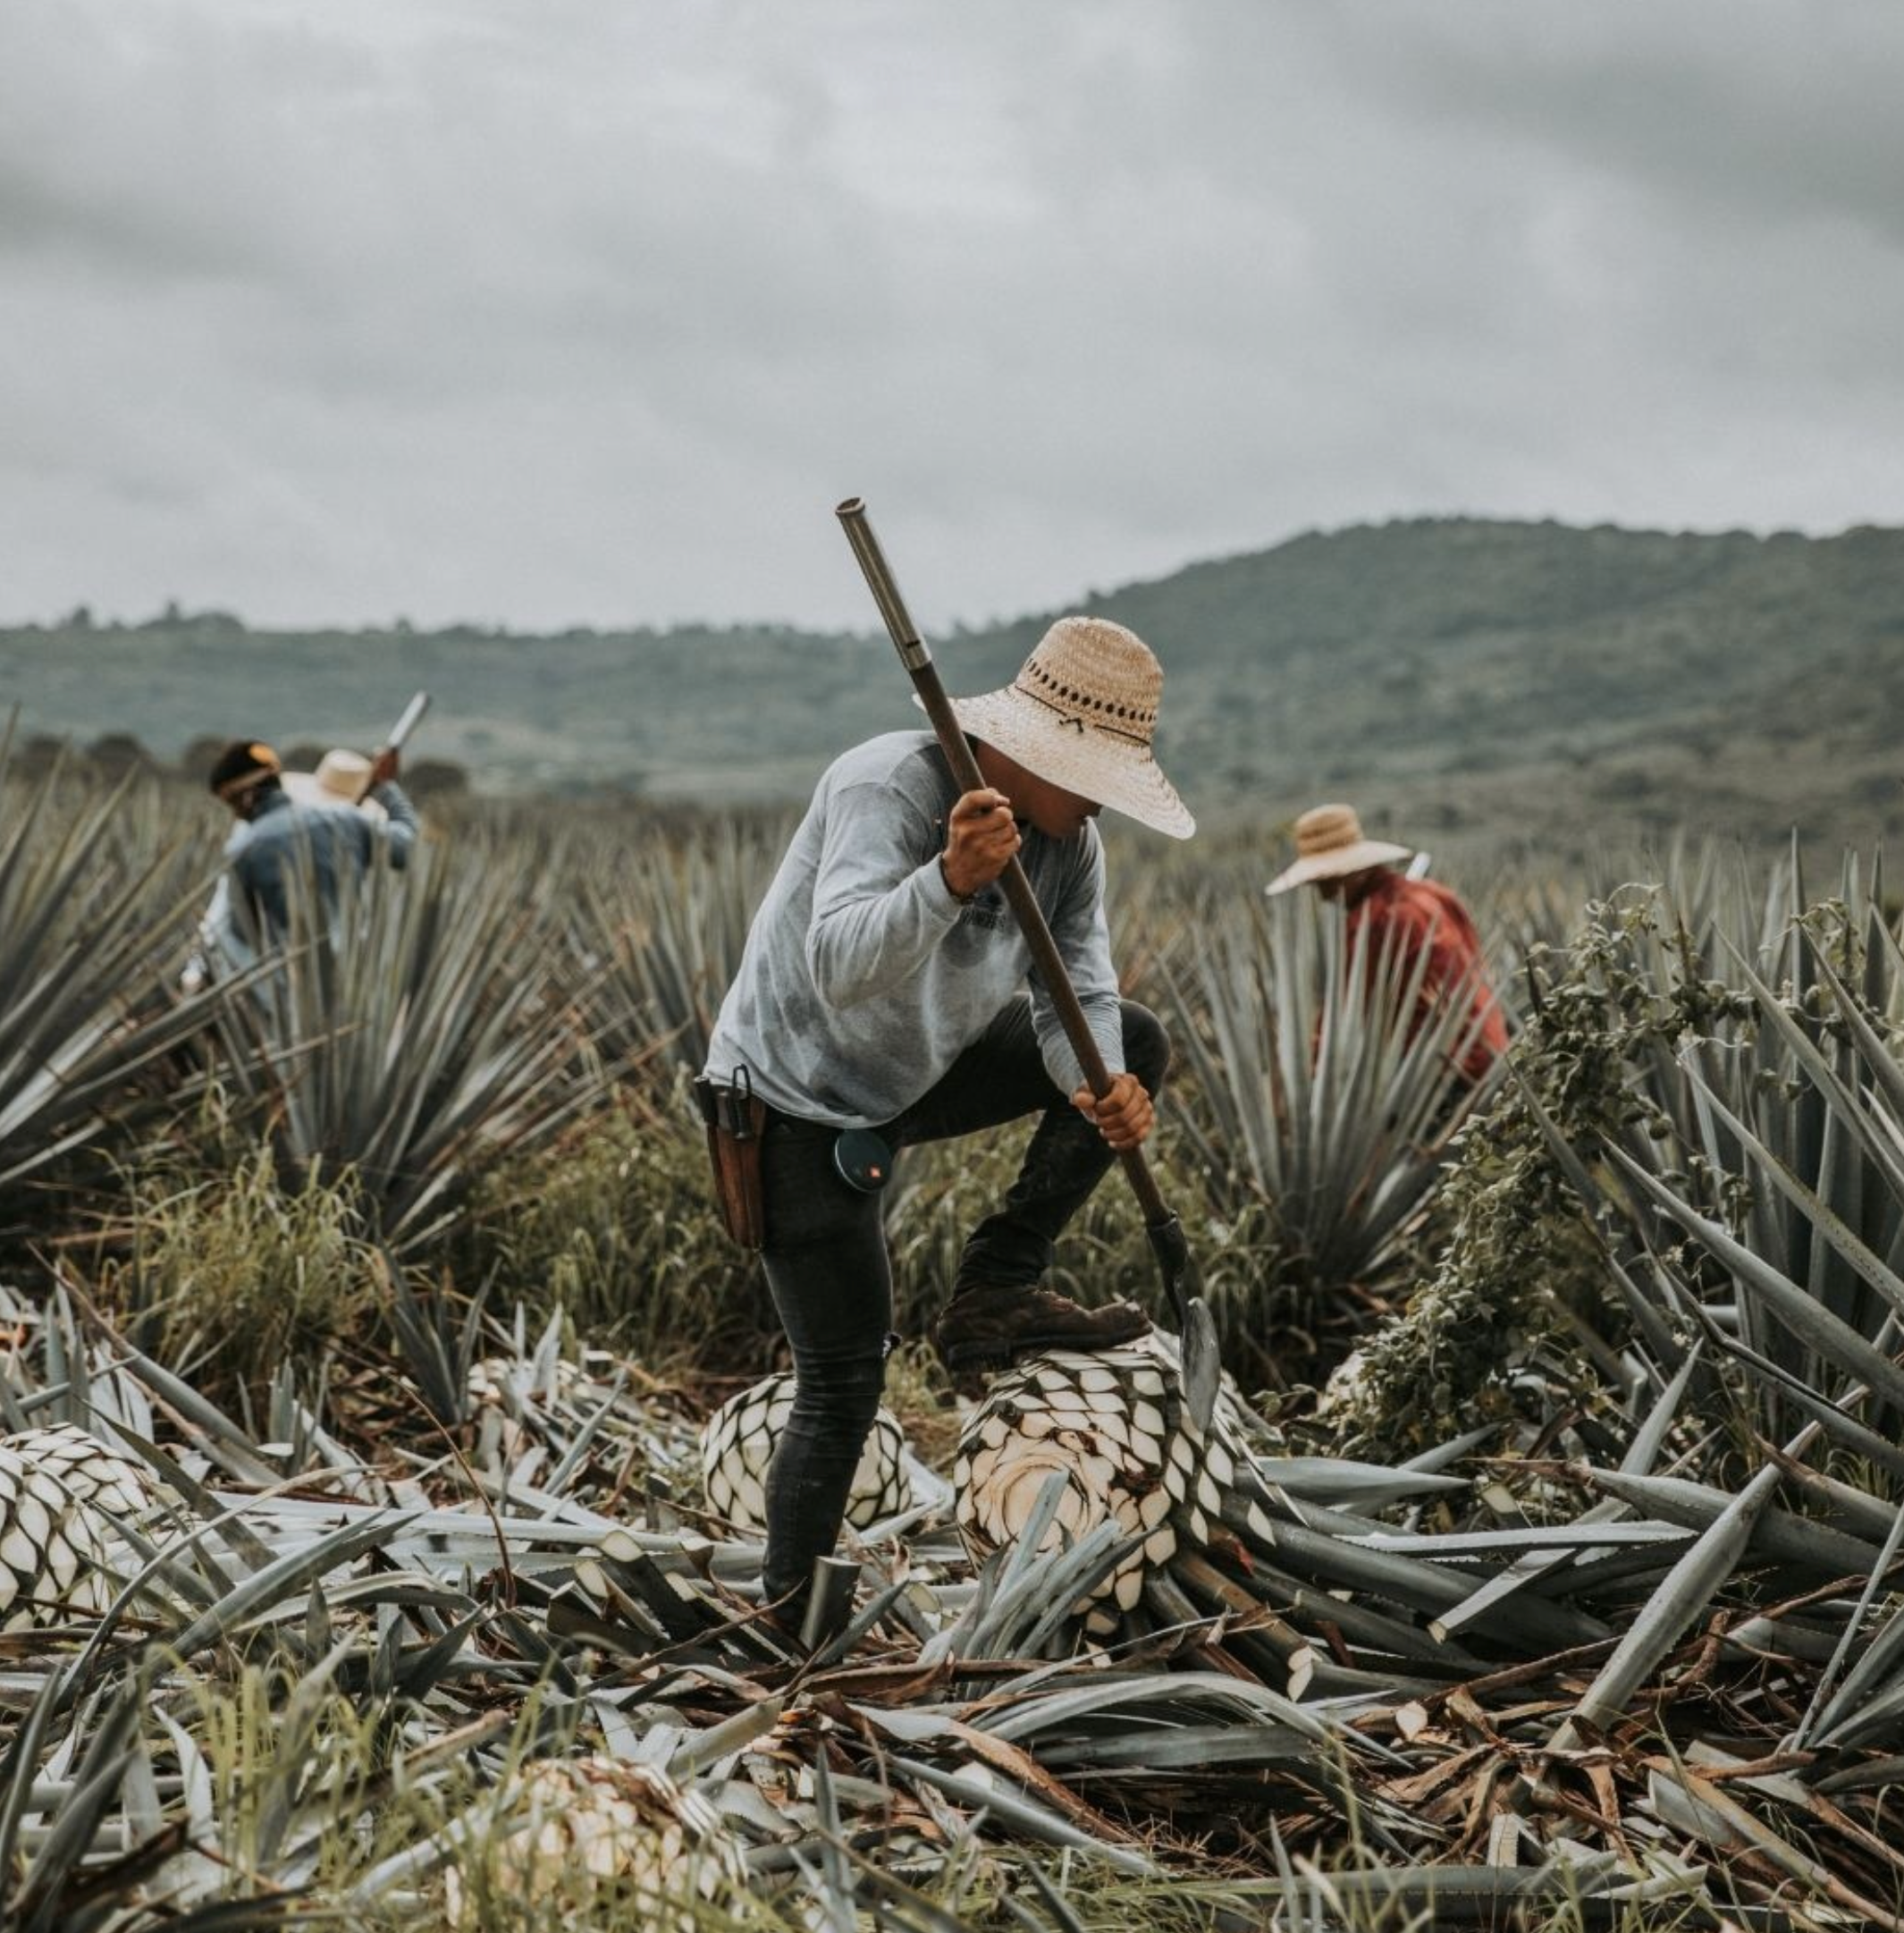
[
  {"x": 594, "y": 1836},
  {"x": 1113, "y": 1428},
  {"x": 62, "y": 1492},
  {"x": 738, "y": 1440}
]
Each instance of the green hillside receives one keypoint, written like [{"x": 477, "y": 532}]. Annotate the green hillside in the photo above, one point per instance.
[{"x": 1460, "y": 677}]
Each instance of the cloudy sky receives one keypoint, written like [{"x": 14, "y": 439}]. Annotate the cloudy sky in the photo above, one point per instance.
[{"x": 553, "y": 311}]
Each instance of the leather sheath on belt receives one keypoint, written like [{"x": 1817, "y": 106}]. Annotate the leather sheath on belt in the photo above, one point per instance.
[{"x": 735, "y": 1120}]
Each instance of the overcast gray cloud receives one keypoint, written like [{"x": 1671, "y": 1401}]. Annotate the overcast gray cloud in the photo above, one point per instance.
[{"x": 544, "y": 311}]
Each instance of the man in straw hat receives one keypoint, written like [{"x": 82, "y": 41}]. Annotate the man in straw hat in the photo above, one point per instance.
[
  {"x": 250, "y": 908},
  {"x": 1413, "y": 915},
  {"x": 881, "y": 1000}
]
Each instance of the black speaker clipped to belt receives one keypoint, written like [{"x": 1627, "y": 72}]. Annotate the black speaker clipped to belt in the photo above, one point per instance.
[{"x": 865, "y": 1162}]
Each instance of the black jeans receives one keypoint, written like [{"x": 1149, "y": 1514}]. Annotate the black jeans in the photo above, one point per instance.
[{"x": 832, "y": 1280}]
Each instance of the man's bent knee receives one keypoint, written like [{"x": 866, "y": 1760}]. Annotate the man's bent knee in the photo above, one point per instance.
[{"x": 839, "y": 1396}]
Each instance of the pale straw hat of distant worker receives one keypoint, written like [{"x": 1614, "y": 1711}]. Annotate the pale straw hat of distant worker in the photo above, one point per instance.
[
  {"x": 1330, "y": 845},
  {"x": 1081, "y": 714},
  {"x": 339, "y": 779}
]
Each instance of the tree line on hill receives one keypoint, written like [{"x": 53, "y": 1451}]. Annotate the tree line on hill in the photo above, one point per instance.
[
  {"x": 114, "y": 755},
  {"x": 1462, "y": 673}
]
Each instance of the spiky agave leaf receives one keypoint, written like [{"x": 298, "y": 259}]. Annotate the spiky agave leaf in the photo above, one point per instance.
[
  {"x": 668, "y": 919},
  {"x": 594, "y": 1835},
  {"x": 418, "y": 1032},
  {"x": 502, "y": 1382},
  {"x": 1210, "y": 1529},
  {"x": 1316, "y": 1096},
  {"x": 738, "y": 1444},
  {"x": 62, "y": 1492},
  {"x": 1757, "y": 1113},
  {"x": 88, "y": 917}
]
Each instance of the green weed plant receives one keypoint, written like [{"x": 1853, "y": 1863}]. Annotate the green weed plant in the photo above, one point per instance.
[{"x": 230, "y": 1276}]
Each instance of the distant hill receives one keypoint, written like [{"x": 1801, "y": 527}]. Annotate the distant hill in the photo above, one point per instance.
[{"x": 1458, "y": 677}]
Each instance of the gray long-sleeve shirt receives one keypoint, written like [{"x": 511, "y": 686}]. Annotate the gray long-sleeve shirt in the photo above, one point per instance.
[
  {"x": 863, "y": 979},
  {"x": 260, "y": 848}
]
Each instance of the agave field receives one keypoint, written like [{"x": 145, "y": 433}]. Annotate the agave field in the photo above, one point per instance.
[{"x": 383, "y": 1416}]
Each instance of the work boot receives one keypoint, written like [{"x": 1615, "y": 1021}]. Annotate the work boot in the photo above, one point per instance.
[{"x": 986, "y": 1328}]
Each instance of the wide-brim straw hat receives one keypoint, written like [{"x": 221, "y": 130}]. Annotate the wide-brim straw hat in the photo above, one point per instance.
[
  {"x": 339, "y": 779},
  {"x": 1081, "y": 714},
  {"x": 1330, "y": 845}
]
